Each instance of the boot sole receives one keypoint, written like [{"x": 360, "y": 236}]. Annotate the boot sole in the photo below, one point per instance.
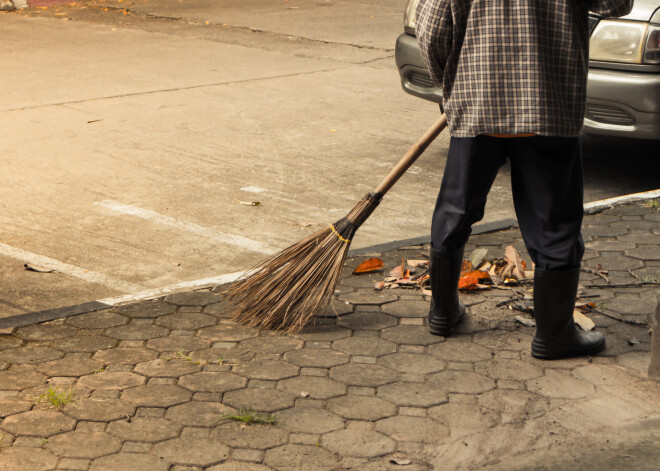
[
  {"x": 446, "y": 331},
  {"x": 544, "y": 354}
]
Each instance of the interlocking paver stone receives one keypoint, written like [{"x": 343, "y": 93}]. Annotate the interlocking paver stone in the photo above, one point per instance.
[
  {"x": 26, "y": 458},
  {"x": 45, "y": 332},
  {"x": 316, "y": 387},
  {"x": 407, "y": 308},
  {"x": 359, "y": 443},
  {"x": 460, "y": 351},
  {"x": 503, "y": 340},
  {"x": 316, "y": 357},
  {"x": 194, "y": 298},
  {"x": 178, "y": 344},
  {"x": 366, "y": 346},
  {"x": 69, "y": 366},
  {"x": 237, "y": 354},
  {"x": 211, "y": 381},
  {"x": 101, "y": 410},
  {"x": 412, "y": 363},
  {"x": 130, "y": 461},
  {"x": 464, "y": 382},
  {"x": 9, "y": 342},
  {"x": 144, "y": 429},
  {"x": 274, "y": 344},
  {"x": 167, "y": 368},
  {"x": 186, "y": 320},
  {"x": 308, "y": 420},
  {"x": 156, "y": 395},
  {"x": 83, "y": 444},
  {"x": 368, "y": 297},
  {"x": 229, "y": 332},
  {"x": 412, "y": 394},
  {"x": 260, "y": 437},
  {"x": 125, "y": 355},
  {"x": 298, "y": 457},
  {"x": 323, "y": 333},
  {"x": 38, "y": 423},
  {"x": 361, "y": 407},
  {"x": 148, "y": 309},
  {"x": 410, "y": 335},
  {"x": 560, "y": 386},
  {"x": 239, "y": 466},
  {"x": 86, "y": 343},
  {"x": 513, "y": 405},
  {"x": 20, "y": 377},
  {"x": 463, "y": 418},
  {"x": 263, "y": 400},
  {"x": 367, "y": 321},
  {"x": 508, "y": 369},
  {"x": 97, "y": 320},
  {"x": 266, "y": 369},
  {"x": 357, "y": 374},
  {"x": 192, "y": 451},
  {"x": 112, "y": 380},
  {"x": 413, "y": 429},
  {"x": 29, "y": 354},
  {"x": 198, "y": 413},
  {"x": 12, "y": 405},
  {"x": 136, "y": 331}
]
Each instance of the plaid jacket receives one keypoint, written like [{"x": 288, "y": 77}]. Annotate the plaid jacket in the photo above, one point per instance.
[{"x": 511, "y": 66}]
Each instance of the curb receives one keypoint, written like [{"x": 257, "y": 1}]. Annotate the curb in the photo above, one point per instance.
[{"x": 19, "y": 320}]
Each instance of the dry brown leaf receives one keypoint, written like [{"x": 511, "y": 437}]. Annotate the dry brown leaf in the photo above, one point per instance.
[
  {"x": 583, "y": 321},
  {"x": 418, "y": 263},
  {"x": 515, "y": 262},
  {"x": 368, "y": 266},
  {"x": 249, "y": 203}
]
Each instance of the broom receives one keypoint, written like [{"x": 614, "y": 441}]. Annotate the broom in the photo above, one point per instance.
[{"x": 286, "y": 290}]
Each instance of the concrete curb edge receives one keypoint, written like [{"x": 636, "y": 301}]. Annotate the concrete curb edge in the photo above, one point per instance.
[{"x": 19, "y": 320}]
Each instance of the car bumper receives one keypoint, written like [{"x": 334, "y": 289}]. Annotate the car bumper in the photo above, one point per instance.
[
  {"x": 415, "y": 78},
  {"x": 623, "y": 104},
  {"x": 634, "y": 114}
]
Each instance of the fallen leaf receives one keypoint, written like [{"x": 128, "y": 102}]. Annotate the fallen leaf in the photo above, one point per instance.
[
  {"x": 583, "y": 321},
  {"x": 249, "y": 203},
  {"x": 369, "y": 265},
  {"x": 418, "y": 263},
  {"x": 478, "y": 256},
  {"x": 427, "y": 292},
  {"x": 515, "y": 267},
  {"x": 37, "y": 269},
  {"x": 633, "y": 341},
  {"x": 305, "y": 224},
  {"x": 479, "y": 274},
  {"x": 400, "y": 461},
  {"x": 400, "y": 271},
  {"x": 466, "y": 266},
  {"x": 468, "y": 282},
  {"x": 525, "y": 321},
  {"x": 379, "y": 285},
  {"x": 304, "y": 394}
]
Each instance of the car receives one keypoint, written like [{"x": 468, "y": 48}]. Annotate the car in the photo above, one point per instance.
[{"x": 623, "y": 85}]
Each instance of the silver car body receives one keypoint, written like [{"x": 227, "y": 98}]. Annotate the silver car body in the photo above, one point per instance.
[{"x": 622, "y": 99}]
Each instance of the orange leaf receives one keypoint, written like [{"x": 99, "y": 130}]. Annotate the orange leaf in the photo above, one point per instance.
[
  {"x": 478, "y": 274},
  {"x": 466, "y": 267},
  {"x": 468, "y": 282},
  {"x": 369, "y": 265}
]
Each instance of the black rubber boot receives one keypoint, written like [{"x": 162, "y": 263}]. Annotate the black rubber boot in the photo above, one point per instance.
[
  {"x": 446, "y": 310},
  {"x": 554, "y": 301}
]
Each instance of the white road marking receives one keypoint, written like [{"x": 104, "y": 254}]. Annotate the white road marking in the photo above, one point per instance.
[
  {"x": 232, "y": 239},
  {"x": 185, "y": 286},
  {"x": 71, "y": 270}
]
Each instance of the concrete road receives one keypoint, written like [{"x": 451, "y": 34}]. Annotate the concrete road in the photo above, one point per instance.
[{"x": 132, "y": 132}]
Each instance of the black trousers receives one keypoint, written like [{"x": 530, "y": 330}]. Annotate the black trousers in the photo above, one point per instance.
[{"x": 546, "y": 181}]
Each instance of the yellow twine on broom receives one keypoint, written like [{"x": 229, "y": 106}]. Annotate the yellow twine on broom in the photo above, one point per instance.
[{"x": 337, "y": 234}]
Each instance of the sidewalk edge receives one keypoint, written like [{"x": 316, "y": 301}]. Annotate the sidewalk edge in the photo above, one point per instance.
[{"x": 106, "y": 303}]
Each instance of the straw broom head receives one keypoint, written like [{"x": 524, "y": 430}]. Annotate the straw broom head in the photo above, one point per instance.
[{"x": 286, "y": 290}]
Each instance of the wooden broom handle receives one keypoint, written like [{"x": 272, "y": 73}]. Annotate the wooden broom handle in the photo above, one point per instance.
[{"x": 415, "y": 151}]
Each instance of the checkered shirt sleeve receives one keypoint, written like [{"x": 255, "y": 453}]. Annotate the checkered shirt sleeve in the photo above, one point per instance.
[{"x": 511, "y": 66}]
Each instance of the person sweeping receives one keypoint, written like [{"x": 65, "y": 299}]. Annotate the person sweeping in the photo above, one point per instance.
[{"x": 513, "y": 75}]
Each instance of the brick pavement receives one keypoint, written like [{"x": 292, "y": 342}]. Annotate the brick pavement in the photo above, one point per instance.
[{"x": 366, "y": 385}]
